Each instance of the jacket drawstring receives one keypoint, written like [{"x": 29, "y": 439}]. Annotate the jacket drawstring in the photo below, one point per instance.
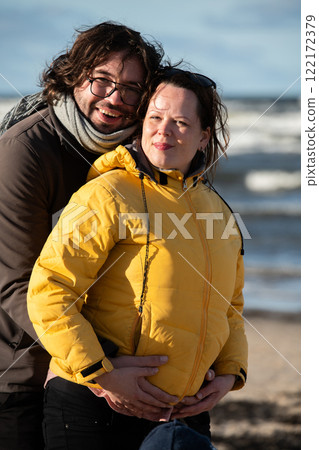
[{"x": 146, "y": 263}]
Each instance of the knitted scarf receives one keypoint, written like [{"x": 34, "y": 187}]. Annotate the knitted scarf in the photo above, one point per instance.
[{"x": 70, "y": 117}]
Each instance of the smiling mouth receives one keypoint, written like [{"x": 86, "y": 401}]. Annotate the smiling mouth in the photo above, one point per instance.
[
  {"x": 112, "y": 115},
  {"x": 162, "y": 146}
]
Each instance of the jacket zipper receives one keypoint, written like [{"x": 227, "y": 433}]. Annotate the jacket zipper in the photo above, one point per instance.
[
  {"x": 206, "y": 295},
  {"x": 136, "y": 332}
]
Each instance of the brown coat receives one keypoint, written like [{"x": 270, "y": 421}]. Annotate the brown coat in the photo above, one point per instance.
[{"x": 41, "y": 165}]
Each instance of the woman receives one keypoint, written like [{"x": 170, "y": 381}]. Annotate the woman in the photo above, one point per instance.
[{"x": 142, "y": 257}]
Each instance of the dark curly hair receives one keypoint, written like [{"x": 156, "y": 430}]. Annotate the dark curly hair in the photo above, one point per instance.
[
  {"x": 91, "y": 47},
  {"x": 211, "y": 110}
]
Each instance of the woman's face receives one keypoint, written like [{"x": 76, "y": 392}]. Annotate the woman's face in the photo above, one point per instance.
[{"x": 172, "y": 132}]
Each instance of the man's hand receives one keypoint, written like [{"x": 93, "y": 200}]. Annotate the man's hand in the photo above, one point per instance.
[
  {"x": 206, "y": 398},
  {"x": 128, "y": 392}
]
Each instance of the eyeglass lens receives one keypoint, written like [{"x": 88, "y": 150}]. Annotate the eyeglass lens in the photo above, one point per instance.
[{"x": 102, "y": 87}]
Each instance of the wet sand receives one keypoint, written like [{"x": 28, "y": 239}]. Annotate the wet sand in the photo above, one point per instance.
[{"x": 265, "y": 414}]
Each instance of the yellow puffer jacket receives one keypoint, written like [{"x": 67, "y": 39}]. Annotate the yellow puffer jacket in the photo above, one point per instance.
[{"x": 88, "y": 280}]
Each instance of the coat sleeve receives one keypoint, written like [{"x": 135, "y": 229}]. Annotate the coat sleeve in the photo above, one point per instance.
[
  {"x": 234, "y": 355},
  {"x": 71, "y": 261},
  {"x": 24, "y": 223}
]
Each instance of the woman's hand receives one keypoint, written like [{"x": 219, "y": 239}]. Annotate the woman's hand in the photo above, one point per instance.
[
  {"x": 128, "y": 392},
  {"x": 206, "y": 398}
]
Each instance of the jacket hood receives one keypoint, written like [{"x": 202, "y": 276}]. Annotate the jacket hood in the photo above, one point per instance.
[{"x": 120, "y": 158}]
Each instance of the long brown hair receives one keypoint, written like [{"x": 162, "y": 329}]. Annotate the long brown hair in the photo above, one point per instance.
[{"x": 91, "y": 47}]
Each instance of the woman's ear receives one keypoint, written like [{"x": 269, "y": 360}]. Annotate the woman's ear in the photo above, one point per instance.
[{"x": 205, "y": 137}]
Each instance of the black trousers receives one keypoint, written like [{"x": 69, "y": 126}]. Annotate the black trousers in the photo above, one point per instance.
[
  {"x": 75, "y": 419},
  {"x": 21, "y": 421}
]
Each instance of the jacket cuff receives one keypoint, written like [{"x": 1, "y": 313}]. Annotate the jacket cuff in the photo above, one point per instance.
[
  {"x": 231, "y": 369},
  {"x": 240, "y": 380},
  {"x": 88, "y": 374}
]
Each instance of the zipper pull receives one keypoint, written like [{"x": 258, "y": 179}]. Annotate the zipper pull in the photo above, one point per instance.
[{"x": 140, "y": 309}]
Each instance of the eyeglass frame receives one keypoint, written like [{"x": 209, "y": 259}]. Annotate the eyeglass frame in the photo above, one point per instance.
[
  {"x": 115, "y": 88},
  {"x": 198, "y": 78}
]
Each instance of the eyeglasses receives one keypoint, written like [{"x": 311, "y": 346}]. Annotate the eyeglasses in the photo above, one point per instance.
[
  {"x": 103, "y": 88},
  {"x": 197, "y": 78}
]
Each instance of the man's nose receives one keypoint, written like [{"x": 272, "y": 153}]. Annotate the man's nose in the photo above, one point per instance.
[{"x": 115, "y": 97}]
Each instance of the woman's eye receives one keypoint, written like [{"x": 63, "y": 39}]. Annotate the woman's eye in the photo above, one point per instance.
[{"x": 180, "y": 123}]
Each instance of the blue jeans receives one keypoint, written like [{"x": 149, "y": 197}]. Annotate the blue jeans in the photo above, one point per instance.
[{"x": 176, "y": 436}]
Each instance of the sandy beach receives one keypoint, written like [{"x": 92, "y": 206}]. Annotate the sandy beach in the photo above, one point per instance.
[{"x": 265, "y": 414}]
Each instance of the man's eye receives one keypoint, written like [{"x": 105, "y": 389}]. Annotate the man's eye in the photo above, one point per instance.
[{"x": 103, "y": 81}]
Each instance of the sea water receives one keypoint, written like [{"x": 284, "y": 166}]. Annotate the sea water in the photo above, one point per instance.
[{"x": 260, "y": 180}]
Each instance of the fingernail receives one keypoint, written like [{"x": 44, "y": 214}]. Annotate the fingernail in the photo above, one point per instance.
[
  {"x": 199, "y": 396},
  {"x": 163, "y": 358}
]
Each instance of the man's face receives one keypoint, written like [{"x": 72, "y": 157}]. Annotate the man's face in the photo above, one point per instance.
[{"x": 110, "y": 114}]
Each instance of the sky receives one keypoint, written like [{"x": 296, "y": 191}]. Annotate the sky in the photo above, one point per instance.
[{"x": 249, "y": 47}]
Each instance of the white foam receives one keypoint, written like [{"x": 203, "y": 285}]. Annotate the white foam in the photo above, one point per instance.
[
  {"x": 270, "y": 181},
  {"x": 275, "y": 131}
]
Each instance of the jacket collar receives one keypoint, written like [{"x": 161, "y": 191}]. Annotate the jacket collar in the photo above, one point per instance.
[
  {"x": 159, "y": 175},
  {"x": 133, "y": 159}
]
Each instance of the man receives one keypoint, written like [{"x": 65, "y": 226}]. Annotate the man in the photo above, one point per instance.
[
  {"x": 91, "y": 94},
  {"x": 87, "y": 106}
]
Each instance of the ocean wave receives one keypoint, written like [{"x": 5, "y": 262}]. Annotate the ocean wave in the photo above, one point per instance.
[
  {"x": 289, "y": 271},
  {"x": 252, "y": 130},
  {"x": 266, "y": 140},
  {"x": 276, "y": 130},
  {"x": 267, "y": 208},
  {"x": 272, "y": 293},
  {"x": 272, "y": 302},
  {"x": 272, "y": 180}
]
